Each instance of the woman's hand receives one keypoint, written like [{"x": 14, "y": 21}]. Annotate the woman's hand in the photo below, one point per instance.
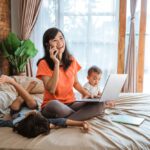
[
  {"x": 87, "y": 95},
  {"x": 54, "y": 54},
  {"x": 6, "y": 79}
]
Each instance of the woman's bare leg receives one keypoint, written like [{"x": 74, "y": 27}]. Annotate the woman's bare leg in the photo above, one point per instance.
[{"x": 85, "y": 125}]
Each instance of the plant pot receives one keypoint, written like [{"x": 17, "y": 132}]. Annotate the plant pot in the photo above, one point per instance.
[
  {"x": 14, "y": 72},
  {"x": 21, "y": 74}
]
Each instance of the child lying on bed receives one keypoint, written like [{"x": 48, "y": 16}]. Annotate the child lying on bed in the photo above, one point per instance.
[{"x": 26, "y": 119}]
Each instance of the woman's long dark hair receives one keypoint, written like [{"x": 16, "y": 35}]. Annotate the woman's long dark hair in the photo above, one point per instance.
[{"x": 66, "y": 57}]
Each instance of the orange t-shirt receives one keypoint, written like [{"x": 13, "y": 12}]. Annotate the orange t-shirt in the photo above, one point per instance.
[{"x": 64, "y": 90}]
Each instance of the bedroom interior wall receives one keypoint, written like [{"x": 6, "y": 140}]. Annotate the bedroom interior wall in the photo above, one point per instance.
[
  {"x": 15, "y": 16},
  {"x": 5, "y": 28}
]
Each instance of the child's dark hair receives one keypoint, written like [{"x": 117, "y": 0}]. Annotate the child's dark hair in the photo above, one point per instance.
[
  {"x": 94, "y": 69},
  {"x": 33, "y": 125},
  {"x": 66, "y": 56}
]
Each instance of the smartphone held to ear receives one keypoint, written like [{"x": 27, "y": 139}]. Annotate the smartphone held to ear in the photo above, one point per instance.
[
  {"x": 55, "y": 50},
  {"x": 55, "y": 53}
]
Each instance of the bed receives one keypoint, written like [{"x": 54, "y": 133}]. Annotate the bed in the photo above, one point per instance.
[{"x": 104, "y": 134}]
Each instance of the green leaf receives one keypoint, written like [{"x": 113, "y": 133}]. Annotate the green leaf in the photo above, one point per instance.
[
  {"x": 30, "y": 51},
  {"x": 4, "y": 50},
  {"x": 12, "y": 43},
  {"x": 18, "y": 52},
  {"x": 27, "y": 48}
]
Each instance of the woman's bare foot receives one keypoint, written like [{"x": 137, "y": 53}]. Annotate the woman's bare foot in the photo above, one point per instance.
[
  {"x": 85, "y": 126},
  {"x": 31, "y": 85}
]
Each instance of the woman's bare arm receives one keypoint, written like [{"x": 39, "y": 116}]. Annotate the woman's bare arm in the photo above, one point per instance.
[
  {"x": 79, "y": 88},
  {"x": 50, "y": 83}
]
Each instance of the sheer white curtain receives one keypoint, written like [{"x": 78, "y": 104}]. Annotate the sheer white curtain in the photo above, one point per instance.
[
  {"x": 90, "y": 28},
  {"x": 131, "y": 59},
  {"x": 130, "y": 86},
  {"x": 46, "y": 19}
]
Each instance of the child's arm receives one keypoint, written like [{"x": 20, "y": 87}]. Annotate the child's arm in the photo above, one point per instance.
[{"x": 22, "y": 92}]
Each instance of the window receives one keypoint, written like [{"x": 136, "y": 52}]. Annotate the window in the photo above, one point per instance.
[
  {"x": 90, "y": 28},
  {"x": 147, "y": 53}
]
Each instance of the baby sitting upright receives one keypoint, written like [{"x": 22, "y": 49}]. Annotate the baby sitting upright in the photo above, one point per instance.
[{"x": 92, "y": 86}]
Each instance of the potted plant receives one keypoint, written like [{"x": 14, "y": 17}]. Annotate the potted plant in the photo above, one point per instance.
[{"x": 18, "y": 52}]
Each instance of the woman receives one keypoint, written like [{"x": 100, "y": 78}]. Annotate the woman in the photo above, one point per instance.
[{"x": 58, "y": 70}]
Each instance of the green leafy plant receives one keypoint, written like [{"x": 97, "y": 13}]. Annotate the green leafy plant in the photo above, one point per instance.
[{"x": 18, "y": 52}]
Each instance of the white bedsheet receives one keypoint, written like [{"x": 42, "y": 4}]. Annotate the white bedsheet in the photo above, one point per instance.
[{"x": 104, "y": 134}]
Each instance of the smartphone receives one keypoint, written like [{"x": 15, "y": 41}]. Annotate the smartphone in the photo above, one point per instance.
[
  {"x": 50, "y": 46},
  {"x": 56, "y": 55}
]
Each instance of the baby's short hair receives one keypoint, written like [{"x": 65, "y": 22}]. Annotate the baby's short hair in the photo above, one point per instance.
[{"x": 94, "y": 69}]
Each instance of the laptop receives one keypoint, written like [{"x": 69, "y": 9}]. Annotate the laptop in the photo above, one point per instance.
[
  {"x": 127, "y": 119},
  {"x": 111, "y": 90}
]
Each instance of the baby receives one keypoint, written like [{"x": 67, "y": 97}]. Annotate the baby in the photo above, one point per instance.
[{"x": 92, "y": 86}]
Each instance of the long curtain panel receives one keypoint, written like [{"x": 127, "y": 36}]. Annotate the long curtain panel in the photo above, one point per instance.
[
  {"x": 90, "y": 29},
  {"x": 131, "y": 59},
  {"x": 45, "y": 20},
  {"x": 29, "y": 10}
]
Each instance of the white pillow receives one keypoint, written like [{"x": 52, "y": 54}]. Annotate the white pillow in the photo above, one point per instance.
[{"x": 24, "y": 81}]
